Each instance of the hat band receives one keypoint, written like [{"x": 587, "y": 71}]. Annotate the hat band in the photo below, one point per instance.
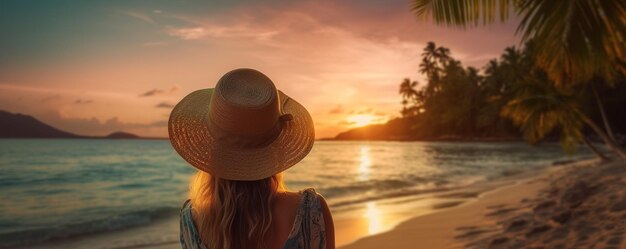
[{"x": 248, "y": 140}]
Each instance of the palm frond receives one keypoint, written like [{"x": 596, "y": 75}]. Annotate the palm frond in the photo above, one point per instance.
[
  {"x": 463, "y": 13},
  {"x": 540, "y": 109},
  {"x": 576, "y": 39}
]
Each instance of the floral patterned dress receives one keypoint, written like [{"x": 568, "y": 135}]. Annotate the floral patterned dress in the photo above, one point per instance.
[{"x": 308, "y": 231}]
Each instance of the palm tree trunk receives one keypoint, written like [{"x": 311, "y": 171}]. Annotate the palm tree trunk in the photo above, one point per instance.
[
  {"x": 605, "y": 120},
  {"x": 612, "y": 145},
  {"x": 594, "y": 149}
]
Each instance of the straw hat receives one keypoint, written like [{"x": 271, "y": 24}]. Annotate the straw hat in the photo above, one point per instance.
[{"x": 243, "y": 129}]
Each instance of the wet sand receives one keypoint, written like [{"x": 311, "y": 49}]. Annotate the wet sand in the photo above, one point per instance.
[{"x": 582, "y": 205}]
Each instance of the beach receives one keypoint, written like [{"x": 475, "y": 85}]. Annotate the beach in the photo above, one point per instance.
[
  {"x": 574, "y": 205},
  {"x": 568, "y": 205},
  {"x": 411, "y": 192},
  {"x": 354, "y": 227},
  {"x": 579, "y": 205}
]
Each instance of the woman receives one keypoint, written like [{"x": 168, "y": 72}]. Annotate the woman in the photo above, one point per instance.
[{"x": 241, "y": 135}]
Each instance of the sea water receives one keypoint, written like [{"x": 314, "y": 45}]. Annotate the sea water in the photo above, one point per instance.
[{"x": 59, "y": 188}]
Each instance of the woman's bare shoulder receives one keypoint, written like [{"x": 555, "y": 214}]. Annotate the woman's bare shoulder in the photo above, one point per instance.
[{"x": 288, "y": 198}]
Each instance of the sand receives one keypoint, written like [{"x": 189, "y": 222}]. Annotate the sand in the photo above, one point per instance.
[
  {"x": 577, "y": 205},
  {"x": 582, "y": 205}
]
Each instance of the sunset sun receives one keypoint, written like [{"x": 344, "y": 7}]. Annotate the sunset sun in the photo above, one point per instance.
[{"x": 361, "y": 119}]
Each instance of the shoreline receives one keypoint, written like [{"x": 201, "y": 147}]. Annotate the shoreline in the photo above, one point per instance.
[
  {"x": 527, "y": 214},
  {"x": 437, "y": 203},
  {"x": 441, "y": 220},
  {"x": 353, "y": 223}
]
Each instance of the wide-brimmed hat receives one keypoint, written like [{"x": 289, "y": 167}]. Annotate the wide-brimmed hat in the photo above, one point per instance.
[{"x": 243, "y": 129}]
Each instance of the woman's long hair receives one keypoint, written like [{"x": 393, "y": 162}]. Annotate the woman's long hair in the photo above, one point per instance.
[{"x": 233, "y": 214}]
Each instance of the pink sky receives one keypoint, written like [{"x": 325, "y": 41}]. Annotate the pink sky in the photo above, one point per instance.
[{"x": 337, "y": 58}]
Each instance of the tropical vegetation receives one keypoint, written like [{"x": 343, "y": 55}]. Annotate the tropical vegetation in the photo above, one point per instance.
[
  {"x": 575, "y": 42},
  {"x": 509, "y": 92}
]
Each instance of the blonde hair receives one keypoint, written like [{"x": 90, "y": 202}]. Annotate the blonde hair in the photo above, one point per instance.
[{"x": 233, "y": 214}]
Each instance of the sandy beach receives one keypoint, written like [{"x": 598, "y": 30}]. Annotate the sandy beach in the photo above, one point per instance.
[{"x": 574, "y": 205}]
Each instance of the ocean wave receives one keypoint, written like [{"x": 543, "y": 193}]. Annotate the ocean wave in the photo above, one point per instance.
[
  {"x": 365, "y": 186},
  {"x": 390, "y": 195},
  {"x": 373, "y": 190},
  {"x": 113, "y": 223}
]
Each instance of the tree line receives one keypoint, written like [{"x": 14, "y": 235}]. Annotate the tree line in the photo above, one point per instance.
[
  {"x": 578, "y": 45},
  {"x": 509, "y": 97}
]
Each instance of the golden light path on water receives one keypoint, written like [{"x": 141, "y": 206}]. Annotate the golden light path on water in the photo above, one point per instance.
[
  {"x": 365, "y": 163},
  {"x": 372, "y": 213},
  {"x": 373, "y": 216}
]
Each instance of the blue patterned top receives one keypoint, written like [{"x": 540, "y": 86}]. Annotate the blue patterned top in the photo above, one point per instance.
[{"x": 308, "y": 231}]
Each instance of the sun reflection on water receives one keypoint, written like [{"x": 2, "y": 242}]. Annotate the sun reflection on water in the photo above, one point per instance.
[
  {"x": 373, "y": 216},
  {"x": 365, "y": 163}
]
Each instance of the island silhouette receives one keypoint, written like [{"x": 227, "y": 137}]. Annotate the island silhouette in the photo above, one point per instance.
[{"x": 17, "y": 125}]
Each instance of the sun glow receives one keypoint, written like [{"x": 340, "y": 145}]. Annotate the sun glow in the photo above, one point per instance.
[
  {"x": 362, "y": 119},
  {"x": 373, "y": 215}
]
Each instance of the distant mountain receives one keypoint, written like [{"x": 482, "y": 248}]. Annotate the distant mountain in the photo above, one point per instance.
[
  {"x": 16, "y": 125},
  {"x": 122, "y": 135}
]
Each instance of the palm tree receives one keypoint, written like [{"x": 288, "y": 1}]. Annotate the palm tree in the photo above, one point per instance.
[
  {"x": 407, "y": 88},
  {"x": 607, "y": 126},
  {"x": 435, "y": 54},
  {"x": 576, "y": 39},
  {"x": 429, "y": 68},
  {"x": 409, "y": 94},
  {"x": 513, "y": 58},
  {"x": 541, "y": 108},
  {"x": 492, "y": 67},
  {"x": 434, "y": 59}
]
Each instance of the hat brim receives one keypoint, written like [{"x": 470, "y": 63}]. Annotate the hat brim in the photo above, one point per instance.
[{"x": 189, "y": 134}]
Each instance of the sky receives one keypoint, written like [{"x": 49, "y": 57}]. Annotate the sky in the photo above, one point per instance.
[{"x": 96, "y": 67}]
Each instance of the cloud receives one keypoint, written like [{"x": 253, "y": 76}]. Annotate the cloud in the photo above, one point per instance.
[
  {"x": 336, "y": 110},
  {"x": 245, "y": 27},
  {"x": 369, "y": 110},
  {"x": 140, "y": 16},
  {"x": 81, "y": 101},
  {"x": 152, "y": 93},
  {"x": 187, "y": 33},
  {"x": 345, "y": 123},
  {"x": 157, "y": 91},
  {"x": 164, "y": 105},
  {"x": 50, "y": 98}
]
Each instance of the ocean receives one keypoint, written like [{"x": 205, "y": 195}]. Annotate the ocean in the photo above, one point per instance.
[{"x": 53, "y": 189}]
